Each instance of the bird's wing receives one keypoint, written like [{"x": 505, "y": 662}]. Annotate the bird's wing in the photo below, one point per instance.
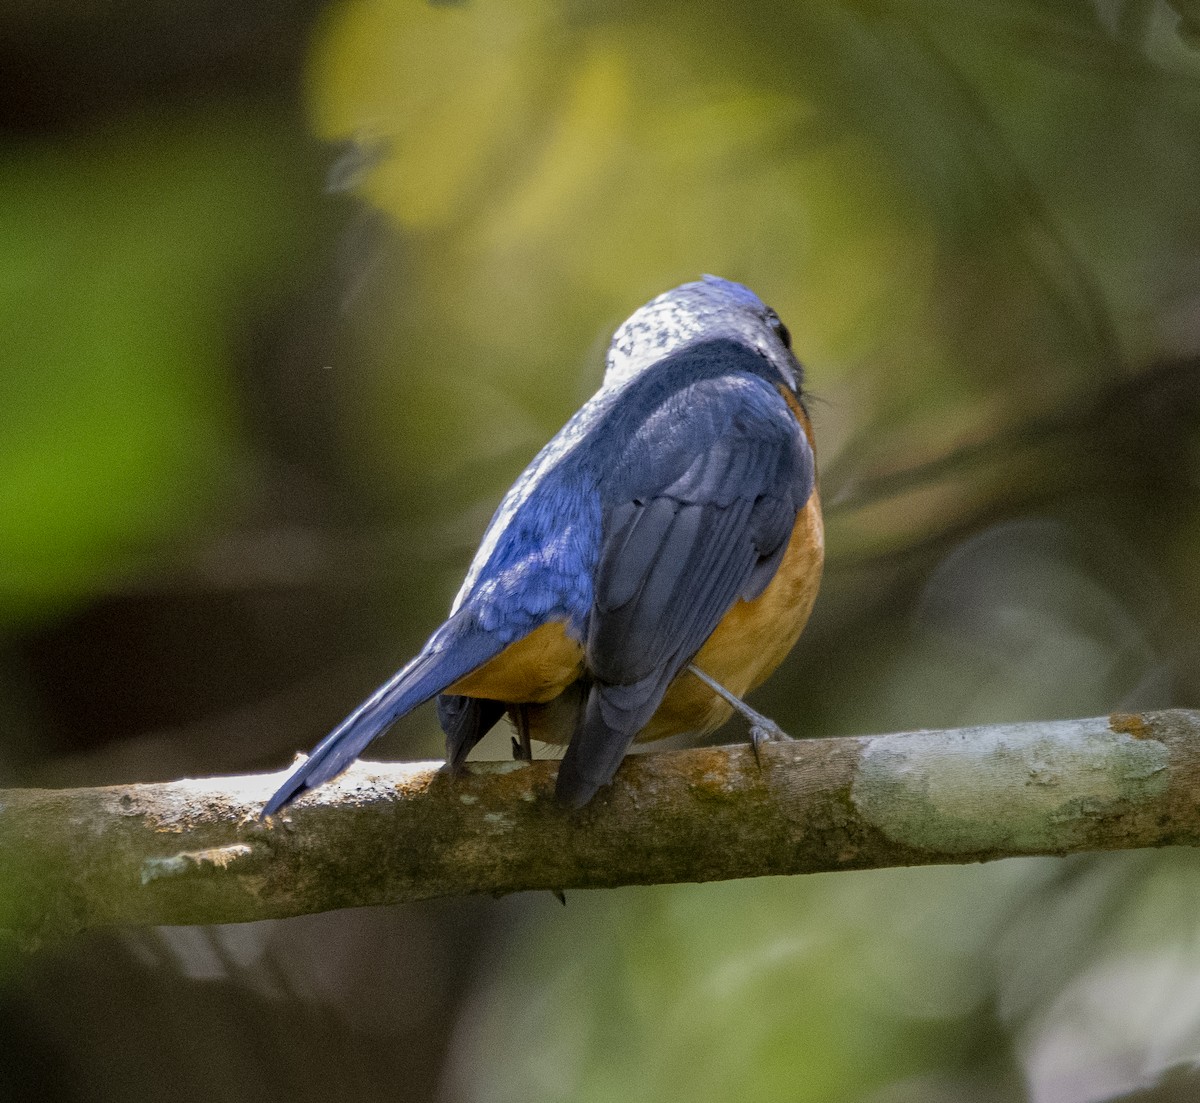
[{"x": 702, "y": 513}]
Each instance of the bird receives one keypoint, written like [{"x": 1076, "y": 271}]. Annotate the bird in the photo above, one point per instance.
[{"x": 655, "y": 562}]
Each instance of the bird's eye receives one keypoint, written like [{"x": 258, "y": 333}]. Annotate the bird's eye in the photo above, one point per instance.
[{"x": 780, "y": 329}]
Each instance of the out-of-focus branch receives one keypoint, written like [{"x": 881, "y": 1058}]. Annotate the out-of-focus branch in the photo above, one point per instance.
[{"x": 196, "y": 852}]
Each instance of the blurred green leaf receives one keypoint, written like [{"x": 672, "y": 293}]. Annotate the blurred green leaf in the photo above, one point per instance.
[
  {"x": 809, "y": 989},
  {"x": 128, "y": 256},
  {"x": 1100, "y": 976}
]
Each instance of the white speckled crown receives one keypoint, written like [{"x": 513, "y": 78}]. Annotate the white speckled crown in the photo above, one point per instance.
[{"x": 707, "y": 308}]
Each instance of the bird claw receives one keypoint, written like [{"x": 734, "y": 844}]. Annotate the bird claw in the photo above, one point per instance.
[
  {"x": 762, "y": 728},
  {"x": 521, "y": 747}
]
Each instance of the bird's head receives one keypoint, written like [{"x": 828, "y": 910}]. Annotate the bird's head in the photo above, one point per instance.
[{"x": 709, "y": 309}]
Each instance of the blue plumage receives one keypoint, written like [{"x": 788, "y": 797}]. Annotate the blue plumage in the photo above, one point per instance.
[{"x": 669, "y": 495}]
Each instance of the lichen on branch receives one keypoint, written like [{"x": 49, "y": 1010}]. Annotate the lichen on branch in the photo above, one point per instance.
[{"x": 195, "y": 851}]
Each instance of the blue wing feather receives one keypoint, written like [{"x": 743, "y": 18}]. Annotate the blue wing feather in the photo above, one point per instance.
[{"x": 713, "y": 484}]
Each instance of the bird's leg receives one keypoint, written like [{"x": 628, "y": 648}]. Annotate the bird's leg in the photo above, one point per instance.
[
  {"x": 522, "y": 749},
  {"x": 762, "y": 728},
  {"x": 523, "y": 752}
]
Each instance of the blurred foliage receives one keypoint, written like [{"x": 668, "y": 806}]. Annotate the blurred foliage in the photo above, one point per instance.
[
  {"x": 249, "y": 435},
  {"x": 127, "y": 258},
  {"x": 549, "y": 167},
  {"x": 732, "y": 994}
]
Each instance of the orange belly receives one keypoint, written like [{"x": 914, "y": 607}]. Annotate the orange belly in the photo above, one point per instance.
[{"x": 534, "y": 669}]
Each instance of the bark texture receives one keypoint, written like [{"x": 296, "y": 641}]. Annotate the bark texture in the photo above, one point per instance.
[{"x": 194, "y": 851}]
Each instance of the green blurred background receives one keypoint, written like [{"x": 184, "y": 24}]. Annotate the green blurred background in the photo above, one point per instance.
[{"x": 290, "y": 292}]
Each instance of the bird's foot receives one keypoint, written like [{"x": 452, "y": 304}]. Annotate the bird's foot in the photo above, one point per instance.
[
  {"x": 765, "y": 730},
  {"x": 762, "y": 728},
  {"x": 522, "y": 747}
]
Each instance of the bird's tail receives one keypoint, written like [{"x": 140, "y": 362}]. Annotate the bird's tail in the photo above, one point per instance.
[
  {"x": 454, "y": 651},
  {"x": 611, "y": 719}
]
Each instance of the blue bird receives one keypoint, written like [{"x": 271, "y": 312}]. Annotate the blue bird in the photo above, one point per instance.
[{"x": 668, "y": 538}]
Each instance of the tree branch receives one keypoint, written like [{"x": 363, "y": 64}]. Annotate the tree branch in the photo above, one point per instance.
[{"x": 195, "y": 851}]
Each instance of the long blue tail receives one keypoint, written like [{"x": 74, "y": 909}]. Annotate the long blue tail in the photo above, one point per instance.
[{"x": 452, "y": 652}]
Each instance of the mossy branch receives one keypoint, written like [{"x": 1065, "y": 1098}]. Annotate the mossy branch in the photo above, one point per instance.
[{"x": 196, "y": 852}]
